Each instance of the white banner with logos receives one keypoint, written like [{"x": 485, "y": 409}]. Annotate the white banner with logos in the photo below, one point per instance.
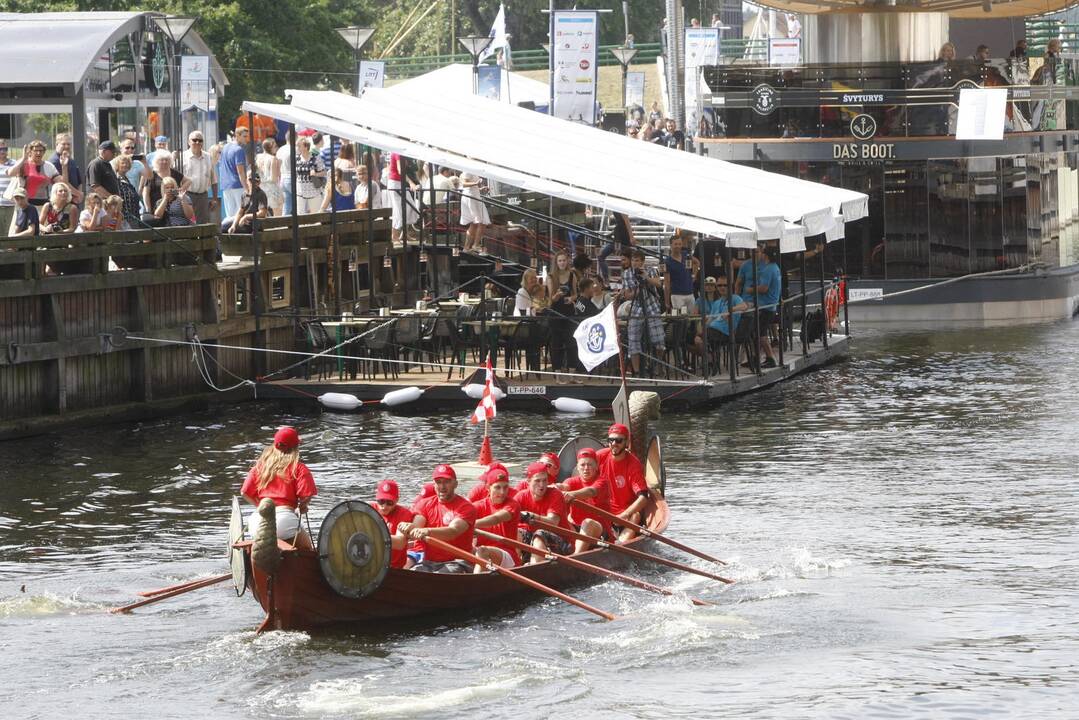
[
  {"x": 574, "y": 64},
  {"x": 372, "y": 74},
  {"x": 194, "y": 82},
  {"x": 702, "y": 49}
]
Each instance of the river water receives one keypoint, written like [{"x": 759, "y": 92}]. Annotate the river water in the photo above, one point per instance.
[{"x": 902, "y": 528}]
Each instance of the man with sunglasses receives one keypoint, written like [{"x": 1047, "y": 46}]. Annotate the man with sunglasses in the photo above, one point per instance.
[
  {"x": 199, "y": 169},
  {"x": 629, "y": 492},
  {"x": 386, "y": 496}
]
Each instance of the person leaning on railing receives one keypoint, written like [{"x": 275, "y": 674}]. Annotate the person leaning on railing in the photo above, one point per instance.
[
  {"x": 129, "y": 196},
  {"x": 173, "y": 209},
  {"x": 25, "y": 221},
  {"x": 59, "y": 215},
  {"x": 252, "y": 205}
]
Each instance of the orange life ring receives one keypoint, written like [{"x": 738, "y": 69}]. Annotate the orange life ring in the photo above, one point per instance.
[{"x": 831, "y": 308}]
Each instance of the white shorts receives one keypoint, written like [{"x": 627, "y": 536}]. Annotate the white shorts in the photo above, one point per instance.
[
  {"x": 683, "y": 301},
  {"x": 410, "y": 215},
  {"x": 506, "y": 560},
  {"x": 288, "y": 523},
  {"x": 473, "y": 209}
]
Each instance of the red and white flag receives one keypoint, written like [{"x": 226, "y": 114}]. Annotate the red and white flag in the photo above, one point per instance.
[{"x": 486, "y": 409}]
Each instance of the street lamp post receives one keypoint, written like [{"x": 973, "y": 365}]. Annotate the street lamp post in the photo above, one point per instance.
[
  {"x": 176, "y": 27},
  {"x": 474, "y": 45},
  {"x": 625, "y": 56},
  {"x": 356, "y": 37}
]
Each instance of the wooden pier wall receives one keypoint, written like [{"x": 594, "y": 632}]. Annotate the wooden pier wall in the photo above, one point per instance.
[{"x": 63, "y": 359}]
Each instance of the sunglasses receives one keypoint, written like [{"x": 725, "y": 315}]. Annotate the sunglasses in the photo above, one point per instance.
[
  {"x": 616, "y": 440},
  {"x": 386, "y": 502},
  {"x": 195, "y": 140}
]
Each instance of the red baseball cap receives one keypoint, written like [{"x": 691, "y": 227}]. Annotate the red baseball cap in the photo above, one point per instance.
[
  {"x": 586, "y": 453},
  {"x": 444, "y": 471},
  {"x": 496, "y": 473},
  {"x": 428, "y": 490},
  {"x": 553, "y": 459},
  {"x": 387, "y": 490},
  {"x": 286, "y": 438},
  {"x": 618, "y": 429},
  {"x": 535, "y": 468}
]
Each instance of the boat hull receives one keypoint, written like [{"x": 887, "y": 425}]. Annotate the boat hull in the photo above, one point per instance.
[{"x": 299, "y": 598}]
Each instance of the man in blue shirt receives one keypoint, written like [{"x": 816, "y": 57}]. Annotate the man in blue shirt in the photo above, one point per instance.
[
  {"x": 760, "y": 283},
  {"x": 678, "y": 279},
  {"x": 232, "y": 173},
  {"x": 716, "y": 306}
]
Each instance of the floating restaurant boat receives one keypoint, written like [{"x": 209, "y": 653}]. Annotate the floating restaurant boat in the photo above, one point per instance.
[
  {"x": 963, "y": 228},
  {"x": 348, "y": 581}
]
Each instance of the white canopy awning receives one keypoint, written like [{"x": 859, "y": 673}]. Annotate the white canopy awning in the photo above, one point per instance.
[
  {"x": 457, "y": 78},
  {"x": 559, "y": 158}
]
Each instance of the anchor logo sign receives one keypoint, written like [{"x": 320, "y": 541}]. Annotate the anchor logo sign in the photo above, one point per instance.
[{"x": 863, "y": 127}]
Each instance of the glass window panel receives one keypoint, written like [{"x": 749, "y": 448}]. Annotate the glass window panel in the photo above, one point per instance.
[
  {"x": 986, "y": 227},
  {"x": 949, "y": 213},
  {"x": 1013, "y": 180},
  {"x": 906, "y": 221},
  {"x": 862, "y": 249}
]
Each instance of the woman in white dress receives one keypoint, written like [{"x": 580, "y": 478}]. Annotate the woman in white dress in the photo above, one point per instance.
[
  {"x": 473, "y": 212},
  {"x": 362, "y": 191},
  {"x": 269, "y": 167}
]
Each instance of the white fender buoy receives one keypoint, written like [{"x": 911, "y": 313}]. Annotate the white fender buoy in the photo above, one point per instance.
[
  {"x": 402, "y": 396},
  {"x": 475, "y": 391},
  {"x": 573, "y": 405},
  {"x": 340, "y": 401}
]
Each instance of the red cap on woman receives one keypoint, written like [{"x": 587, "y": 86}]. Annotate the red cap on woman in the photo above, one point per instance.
[
  {"x": 286, "y": 439},
  {"x": 387, "y": 490}
]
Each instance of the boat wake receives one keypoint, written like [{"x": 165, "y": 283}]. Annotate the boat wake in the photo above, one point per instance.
[
  {"x": 27, "y": 605},
  {"x": 359, "y": 697}
]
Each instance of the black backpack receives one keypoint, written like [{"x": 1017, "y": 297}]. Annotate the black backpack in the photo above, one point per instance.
[{"x": 814, "y": 326}]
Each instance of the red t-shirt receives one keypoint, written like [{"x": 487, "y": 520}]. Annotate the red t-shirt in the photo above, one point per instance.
[
  {"x": 395, "y": 171},
  {"x": 601, "y": 500},
  {"x": 552, "y": 502},
  {"x": 395, "y": 518},
  {"x": 625, "y": 478},
  {"x": 441, "y": 515},
  {"x": 506, "y": 529},
  {"x": 478, "y": 492},
  {"x": 283, "y": 491}
]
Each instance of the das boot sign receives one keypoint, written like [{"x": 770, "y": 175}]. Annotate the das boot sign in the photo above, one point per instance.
[{"x": 863, "y": 127}]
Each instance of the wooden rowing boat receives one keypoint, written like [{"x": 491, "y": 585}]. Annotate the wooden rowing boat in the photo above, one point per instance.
[{"x": 298, "y": 595}]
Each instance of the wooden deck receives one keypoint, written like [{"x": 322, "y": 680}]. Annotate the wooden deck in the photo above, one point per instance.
[{"x": 536, "y": 392}]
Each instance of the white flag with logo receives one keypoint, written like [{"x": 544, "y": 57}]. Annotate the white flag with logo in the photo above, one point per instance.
[
  {"x": 499, "y": 39},
  {"x": 597, "y": 338}
]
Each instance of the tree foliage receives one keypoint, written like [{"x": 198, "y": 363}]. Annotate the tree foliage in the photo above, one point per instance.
[{"x": 267, "y": 47}]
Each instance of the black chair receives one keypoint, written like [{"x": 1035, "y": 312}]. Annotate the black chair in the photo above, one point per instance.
[
  {"x": 381, "y": 351},
  {"x": 319, "y": 341}
]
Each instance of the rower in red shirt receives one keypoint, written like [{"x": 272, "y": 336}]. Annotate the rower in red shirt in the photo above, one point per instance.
[
  {"x": 625, "y": 480},
  {"x": 547, "y": 503},
  {"x": 479, "y": 490},
  {"x": 498, "y": 513},
  {"x": 446, "y": 516},
  {"x": 588, "y": 487},
  {"x": 386, "y": 496},
  {"x": 280, "y": 476}
]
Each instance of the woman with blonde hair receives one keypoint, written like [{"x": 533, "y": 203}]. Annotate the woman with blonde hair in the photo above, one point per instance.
[
  {"x": 280, "y": 476},
  {"x": 59, "y": 216},
  {"x": 562, "y": 291},
  {"x": 947, "y": 52}
]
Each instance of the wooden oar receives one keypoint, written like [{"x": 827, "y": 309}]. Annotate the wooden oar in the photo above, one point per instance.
[
  {"x": 646, "y": 532},
  {"x": 173, "y": 593},
  {"x": 587, "y": 567},
  {"x": 533, "y": 520},
  {"x": 459, "y": 553},
  {"x": 170, "y": 588}
]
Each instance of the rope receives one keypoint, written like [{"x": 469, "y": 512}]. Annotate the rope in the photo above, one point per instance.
[{"x": 390, "y": 360}]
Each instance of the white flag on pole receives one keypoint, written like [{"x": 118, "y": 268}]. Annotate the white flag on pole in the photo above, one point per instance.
[
  {"x": 498, "y": 34},
  {"x": 597, "y": 338}
]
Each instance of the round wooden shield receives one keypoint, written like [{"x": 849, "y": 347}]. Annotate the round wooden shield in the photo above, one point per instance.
[
  {"x": 654, "y": 471},
  {"x": 237, "y": 558},
  {"x": 567, "y": 456},
  {"x": 354, "y": 549}
]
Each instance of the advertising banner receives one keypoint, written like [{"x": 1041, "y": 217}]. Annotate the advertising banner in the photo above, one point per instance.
[
  {"x": 194, "y": 82},
  {"x": 702, "y": 48},
  {"x": 574, "y": 64},
  {"x": 784, "y": 52},
  {"x": 489, "y": 82},
  {"x": 372, "y": 74},
  {"x": 635, "y": 89}
]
